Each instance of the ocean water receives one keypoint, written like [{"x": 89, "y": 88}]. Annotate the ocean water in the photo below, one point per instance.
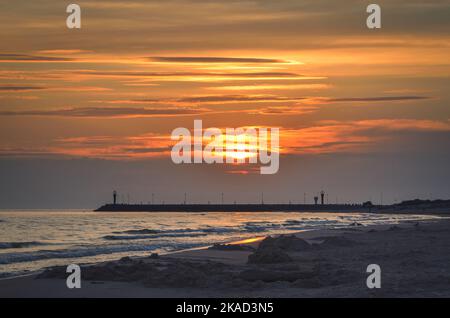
[{"x": 32, "y": 240}]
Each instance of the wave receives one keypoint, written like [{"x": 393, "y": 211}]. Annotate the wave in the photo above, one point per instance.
[
  {"x": 141, "y": 237},
  {"x": 141, "y": 231},
  {"x": 7, "y": 245},
  {"x": 256, "y": 227},
  {"x": 293, "y": 222},
  {"x": 219, "y": 230},
  {"x": 177, "y": 232},
  {"x": 247, "y": 227},
  {"x": 9, "y": 258}
]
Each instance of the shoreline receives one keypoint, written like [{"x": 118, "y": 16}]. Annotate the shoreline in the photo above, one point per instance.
[
  {"x": 305, "y": 234},
  {"x": 236, "y": 259}
]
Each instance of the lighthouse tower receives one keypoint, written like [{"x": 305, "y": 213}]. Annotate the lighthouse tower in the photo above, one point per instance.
[{"x": 114, "y": 197}]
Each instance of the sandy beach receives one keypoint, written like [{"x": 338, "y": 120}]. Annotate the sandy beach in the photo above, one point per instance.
[{"x": 414, "y": 260}]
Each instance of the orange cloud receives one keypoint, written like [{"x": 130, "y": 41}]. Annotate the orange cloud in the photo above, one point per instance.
[{"x": 323, "y": 137}]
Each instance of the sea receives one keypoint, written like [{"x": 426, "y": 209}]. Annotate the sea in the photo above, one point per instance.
[{"x": 33, "y": 240}]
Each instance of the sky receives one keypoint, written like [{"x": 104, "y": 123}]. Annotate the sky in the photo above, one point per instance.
[{"x": 363, "y": 113}]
